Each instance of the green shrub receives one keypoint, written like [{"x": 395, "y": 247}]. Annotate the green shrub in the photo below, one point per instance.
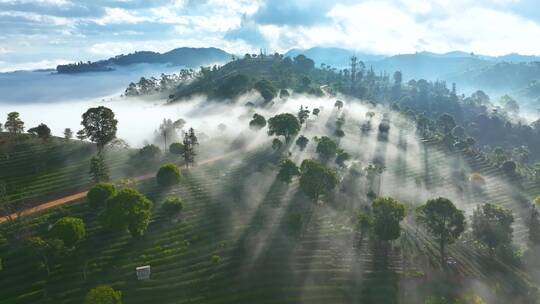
[
  {"x": 216, "y": 259},
  {"x": 168, "y": 175},
  {"x": 103, "y": 295},
  {"x": 173, "y": 205},
  {"x": 99, "y": 194},
  {"x": 69, "y": 229}
]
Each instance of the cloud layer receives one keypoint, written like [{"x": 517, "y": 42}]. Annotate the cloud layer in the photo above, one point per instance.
[{"x": 67, "y": 30}]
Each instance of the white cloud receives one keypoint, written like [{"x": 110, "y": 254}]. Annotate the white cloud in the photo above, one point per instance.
[{"x": 118, "y": 16}]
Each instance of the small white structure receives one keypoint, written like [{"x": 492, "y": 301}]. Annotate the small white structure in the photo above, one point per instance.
[{"x": 143, "y": 272}]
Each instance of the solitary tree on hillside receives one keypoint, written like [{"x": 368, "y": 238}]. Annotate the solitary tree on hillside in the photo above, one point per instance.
[
  {"x": 189, "y": 143},
  {"x": 443, "y": 220},
  {"x": 284, "y": 124},
  {"x": 326, "y": 148},
  {"x": 128, "y": 209},
  {"x": 168, "y": 175},
  {"x": 258, "y": 122},
  {"x": 70, "y": 230},
  {"x": 338, "y": 104},
  {"x": 99, "y": 126},
  {"x": 492, "y": 225},
  {"x": 287, "y": 170},
  {"x": 41, "y": 131},
  {"x": 81, "y": 135},
  {"x": 387, "y": 214},
  {"x": 103, "y": 295},
  {"x": 302, "y": 142},
  {"x": 14, "y": 124},
  {"x": 316, "y": 179},
  {"x": 68, "y": 134},
  {"x": 303, "y": 114}
]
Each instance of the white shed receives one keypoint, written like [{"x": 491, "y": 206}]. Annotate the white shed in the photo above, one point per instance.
[{"x": 143, "y": 272}]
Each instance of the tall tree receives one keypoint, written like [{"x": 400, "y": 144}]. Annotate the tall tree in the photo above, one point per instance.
[
  {"x": 443, "y": 220},
  {"x": 258, "y": 122},
  {"x": 70, "y": 230},
  {"x": 81, "y": 135},
  {"x": 302, "y": 142},
  {"x": 100, "y": 126},
  {"x": 326, "y": 148},
  {"x": 42, "y": 131},
  {"x": 387, "y": 215},
  {"x": 14, "y": 124},
  {"x": 68, "y": 134},
  {"x": 492, "y": 225},
  {"x": 287, "y": 170},
  {"x": 284, "y": 124},
  {"x": 303, "y": 114},
  {"x": 316, "y": 179}
]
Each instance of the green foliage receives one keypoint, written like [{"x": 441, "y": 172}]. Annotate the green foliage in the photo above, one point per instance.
[
  {"x": 42, "y": 131},
  {"x": 284, "y": 124},
  {"x": 98, "y": 195},
  {"x": 387, "y": 214},
  {"x": 443, "y": 221},
  {"x": 316, "y": 111},
  {"x": 258, "y": 122},
  {"x": 127, "y": 209},
  {"x": 173, "y": 205},
  {"x": 14, "y": 124},
  {"x": 277, "y": 144},
  {"x": 176, "y": 148},
  {"x": 492, "y": 225},
  {"x": 216, "y": 259},
  {"x": 326, "y": 148},
  {"x": 363, "y": 223},
  {"x": 234, "y": 86},
  {"x": 266, "y": 89},
  {"x": 302, "y": 142},
  {"x": 168, "y": 175},
  {"x": 287, "y": 170},
  {"x": 303, "y": 114},
  {"x": 103, "y": 295},
  {"x": 338, "y": 104},
  {"x": 99, "y": 125},
  {"x": 339, "y": 133},
  {"x": 342, "y": 157},
  {"x": 99, "y": 172},
  {"x": 47, "y": 250},
  {"x": 316, "y": 179},
  {"x": 148, "y": 154},
  {"x": 70, "y": 230}
]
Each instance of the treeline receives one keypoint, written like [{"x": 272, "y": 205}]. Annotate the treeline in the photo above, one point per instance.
[
  {"x": 152, "y": 85},
  {"x": 83, "y": 67}
]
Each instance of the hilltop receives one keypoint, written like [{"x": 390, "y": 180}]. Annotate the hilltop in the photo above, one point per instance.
[{"x": 185, "y": 57}]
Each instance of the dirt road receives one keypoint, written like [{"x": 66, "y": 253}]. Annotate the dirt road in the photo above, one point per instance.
[{"x": 77, "y": 196}]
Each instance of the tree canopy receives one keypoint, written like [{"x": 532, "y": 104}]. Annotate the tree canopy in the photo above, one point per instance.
[
  {"x": 103, "y": 295},
  {"x": 387, "y": 215},
  {"x": 316, "y": 179},
  {"x": 284, "y": 124},
  {"x": 70, "y": 230},
  {"x": 100, "y": 125},
  {"x": 128, "y": 209},
  {"x": 326, "y": 148},
  {"x": 168, "y": 175},
  {"x": 443, "y": 221},
  {"x": 287, "y": 170}
]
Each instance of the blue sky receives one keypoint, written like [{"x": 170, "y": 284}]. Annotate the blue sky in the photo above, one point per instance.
[{"x": 43, "y": 33}]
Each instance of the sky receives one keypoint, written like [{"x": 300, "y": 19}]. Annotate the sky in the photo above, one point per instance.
[{"x": 44, "y": 33}]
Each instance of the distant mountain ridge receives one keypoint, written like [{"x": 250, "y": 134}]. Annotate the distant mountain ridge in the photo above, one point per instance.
[{"x": 185, "y": 56}]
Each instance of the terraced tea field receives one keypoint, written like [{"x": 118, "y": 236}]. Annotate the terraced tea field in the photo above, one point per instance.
[{"x": 274, "y": 246}]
